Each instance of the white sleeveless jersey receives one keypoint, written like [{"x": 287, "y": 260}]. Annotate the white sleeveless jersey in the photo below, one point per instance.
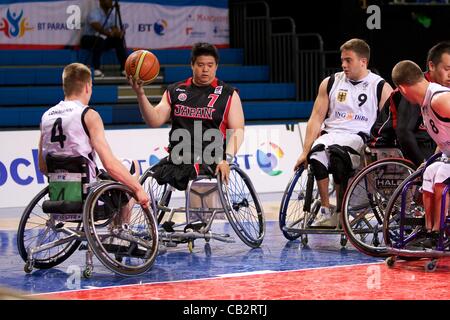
[
  {"x": 437, "y": 127},
  {"x": 353, "y": 107},
  {"x": 63, "y": 133}
]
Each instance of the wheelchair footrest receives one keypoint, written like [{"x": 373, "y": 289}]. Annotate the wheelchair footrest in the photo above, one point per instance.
[
  {"x": 124, "y": 251},
  {"x": 168, "y": 226},
  {"x": 195, "y": 226},
  {"x": 414, "y": 221}
]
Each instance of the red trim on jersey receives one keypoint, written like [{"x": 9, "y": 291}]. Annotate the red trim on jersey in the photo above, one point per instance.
[
  {"x": 188, "y": 81},
  {"x": 197, "y": 168},
  {"x": 215, "y": 83},
  {"x": 168, "y": 97},
  {"x": 393, "y": 109},
  {"x": 224, "y": 123}
]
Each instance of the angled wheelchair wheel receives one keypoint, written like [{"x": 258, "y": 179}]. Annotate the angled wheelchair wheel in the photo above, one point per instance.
[
  {"x": 365, "y": 202},
  {"x": 37, "y": 228},
  {"x": 160, "y": 194},
  {"x": 414, "y": 212},
  {"x": 243, "y": 207},
  {"x": 291, "y": 209},
  {"x": 124, "y": 237}
]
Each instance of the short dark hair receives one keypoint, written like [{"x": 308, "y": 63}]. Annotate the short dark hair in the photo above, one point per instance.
[
  {"x": 204, "y": 49},
  {"x": 360, "y": 47},
  {"x": 406, "y": 72},
  {"x": 436, "y": 52}
]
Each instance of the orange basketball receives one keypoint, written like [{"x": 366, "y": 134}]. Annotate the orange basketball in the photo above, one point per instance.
[{"x": 142, "y": 65}]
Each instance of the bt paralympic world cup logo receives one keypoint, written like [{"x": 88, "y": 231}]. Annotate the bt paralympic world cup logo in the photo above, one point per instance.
[
  {"x": 14, "y": 25},
  {"x": 160, "y": 27},
  {"x": 267, "y": 162}
]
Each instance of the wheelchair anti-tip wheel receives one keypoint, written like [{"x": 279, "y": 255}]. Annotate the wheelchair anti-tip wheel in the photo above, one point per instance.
[
  {"x": 243, "y": 207},
  {"x": 37, "y": 228},
  {"x": 366, "y": 199},
  {"x": 125, "y": 237}
]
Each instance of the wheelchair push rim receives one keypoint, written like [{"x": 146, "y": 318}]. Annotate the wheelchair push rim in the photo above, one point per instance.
[
  {"x": 365, "y": 202},
  {"x": 126, "y": 251},
  {"x": 243, "y": 207}
]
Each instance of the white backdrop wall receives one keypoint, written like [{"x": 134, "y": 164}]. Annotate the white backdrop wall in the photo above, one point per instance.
[
  {"x": 267, "y": 155},
  {"x": 151, "y": 24}
]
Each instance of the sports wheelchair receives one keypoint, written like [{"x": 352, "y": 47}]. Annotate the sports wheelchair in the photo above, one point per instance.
[
  {"x": 363, "y": 203},
  {"x": 237, "y": 201},
  {"x": 405, "y": 220},
  {"x": 69, "y": 211}
]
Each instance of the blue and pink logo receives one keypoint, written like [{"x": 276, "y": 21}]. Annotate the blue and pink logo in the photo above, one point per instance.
[
  {"x": 267, "y": 162},
  {"x": 14, "y": 25}
]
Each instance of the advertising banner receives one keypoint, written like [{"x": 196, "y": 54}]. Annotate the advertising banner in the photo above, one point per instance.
[
  {"x": 267, "y": 155},
  {"x": 148, "y": 24}
]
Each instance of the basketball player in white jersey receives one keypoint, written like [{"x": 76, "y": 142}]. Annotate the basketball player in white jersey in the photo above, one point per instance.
[
  {"x": 72, "y": 128},
  {"x": 434, "y": 101},
  {"x": 344, "y": 111}
]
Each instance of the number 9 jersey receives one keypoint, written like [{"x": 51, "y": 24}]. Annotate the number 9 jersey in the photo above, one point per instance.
[
  {"x": 64, "y": 133},
  {"x": 353, "y": 105}
]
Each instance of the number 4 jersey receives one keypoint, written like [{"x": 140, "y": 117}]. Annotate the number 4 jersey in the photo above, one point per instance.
[
  {"x": 64, "y": 133},
  {"x": 353, "y": 104},
  {"x": 437, "y": 127}
]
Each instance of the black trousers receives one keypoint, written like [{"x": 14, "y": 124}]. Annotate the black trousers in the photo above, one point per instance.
[{"x": 98, "y": 45}]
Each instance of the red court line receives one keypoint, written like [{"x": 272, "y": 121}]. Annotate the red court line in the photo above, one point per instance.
[{"x": 360, "y": 282}]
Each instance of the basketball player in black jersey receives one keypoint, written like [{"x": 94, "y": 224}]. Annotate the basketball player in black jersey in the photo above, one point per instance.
[{"x": 207, "y": 121}]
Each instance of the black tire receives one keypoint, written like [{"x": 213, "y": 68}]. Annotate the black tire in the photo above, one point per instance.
[
  {"x": 294, "y": 201},
  {"x": 391, "y": 224},
  {"x": 160, "y": 194},
  {"x": 125, "y": 257},
  {"x": 291, "y": 208},
  {"x": 32, "y": 224},
  {"x": 365, "y": 201},
  {"x": 242, "y": 207}
]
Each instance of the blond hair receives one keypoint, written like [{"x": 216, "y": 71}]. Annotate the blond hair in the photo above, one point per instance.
[{"x": 75, "y": 76}]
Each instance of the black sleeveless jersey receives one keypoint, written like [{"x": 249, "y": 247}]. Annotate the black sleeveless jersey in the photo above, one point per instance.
[{"x": 198, "y": 109}]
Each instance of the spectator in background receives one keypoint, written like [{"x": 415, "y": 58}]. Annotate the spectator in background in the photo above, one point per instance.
[{"x": 102, "y": 33}]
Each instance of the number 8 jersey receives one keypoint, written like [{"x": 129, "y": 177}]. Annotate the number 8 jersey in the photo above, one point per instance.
[
  {"x": 64, "y": 133},
  {"x": 353, "y": 104},
  {"x": 437, "y": 127}
]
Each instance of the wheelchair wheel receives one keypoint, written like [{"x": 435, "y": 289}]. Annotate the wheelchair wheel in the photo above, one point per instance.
[
  {"x": 291, "y": 215},
  {"x": 243, "y": 208},
  {"x": 413, "y": 209},
  {"x": 160, "y": 194},
  {"x": 37, "y": 228},
  {"x": 366, "y": 199},
  {"x": 126, "y": 241}
]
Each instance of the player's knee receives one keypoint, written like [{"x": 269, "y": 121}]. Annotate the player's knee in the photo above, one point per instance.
[{"x": 320, "y": 172}]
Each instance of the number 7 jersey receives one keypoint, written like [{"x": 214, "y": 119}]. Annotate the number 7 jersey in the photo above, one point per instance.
[
  {"x": 64, "y": 133},
  {"x": 353, "y": 105}
]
